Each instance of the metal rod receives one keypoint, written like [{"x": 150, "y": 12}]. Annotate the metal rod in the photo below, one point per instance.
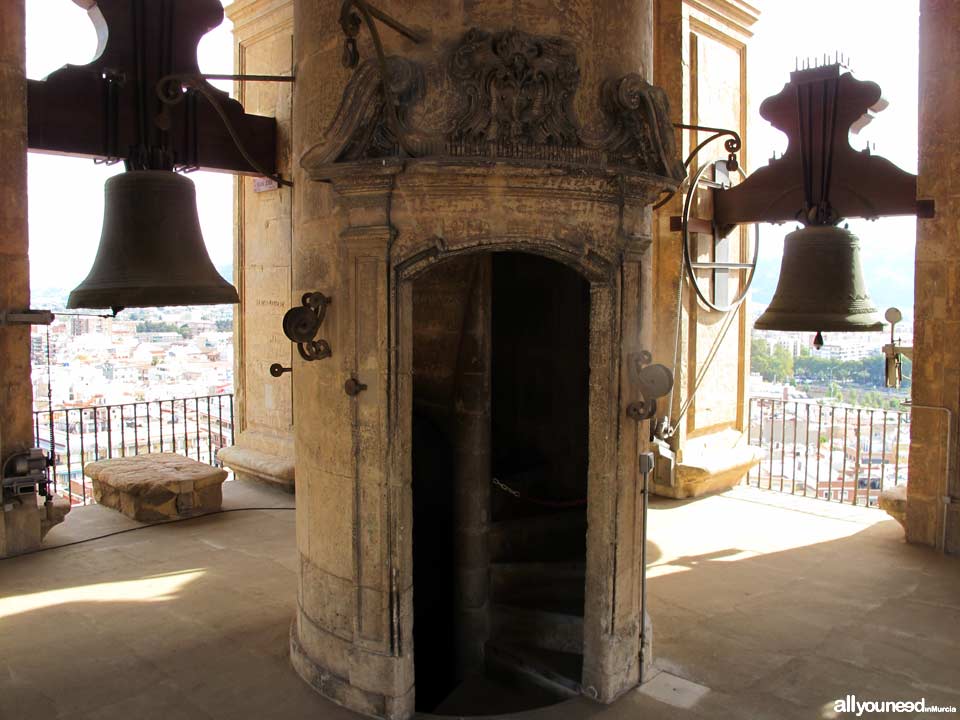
[
  {"x": 123, "y": 434},
  {"x": 66, "y": 424},
  {"x": 856, "y": 467},
  {"x": 806, "y": 452},
  {"x": 243, "y": 78},
  {"x": 394, "y": 24},
  {"x": 83, "y": 458},
  {"x": 721, "y": 266},
  {"x": 773, "y": 417},
  {"x": 96, "y": 434},
  {"x": 749, "y": 430},
  {"x": 816, "y": 491},
  {"x": 232, "y": 439},
  {"x": 109, "y": 432},
  {"x": 793, "y": 456},
  {"x": 643, "y": 568},
  {"x": 896, "y": 467},
  {"x": 196, "y": 419},
  {"x": 843, "y": 477},
  {"x": 209, "y": 437},
  {"x": 783, "y": 441},
  {"x": 870, "y": 458},
  {"x": 883, "y": 454}
]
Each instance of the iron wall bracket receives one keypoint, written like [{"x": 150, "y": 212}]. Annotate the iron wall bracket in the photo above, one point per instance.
[{"x": 301, "y": 324}]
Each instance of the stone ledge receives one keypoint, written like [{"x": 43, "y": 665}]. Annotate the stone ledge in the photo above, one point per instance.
[
  {"x": 158, "y": 486},
  {"x": 711, "y": 469},
  {"x": 250, "y": 464},
  {"x": 894, "y": 502}
]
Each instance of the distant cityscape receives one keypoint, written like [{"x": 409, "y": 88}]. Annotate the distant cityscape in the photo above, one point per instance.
[
  {"x": 142, "y": 354},
  {"x": 147, "y": 380}
]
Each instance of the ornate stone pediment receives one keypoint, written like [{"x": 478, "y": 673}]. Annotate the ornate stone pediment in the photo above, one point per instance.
[
  {"x": 513, "y": 97},
  {"x": 517, "y": 88}
]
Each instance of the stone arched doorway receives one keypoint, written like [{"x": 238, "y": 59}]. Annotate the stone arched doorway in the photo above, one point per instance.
[
  {"x": 499, "y": 459},
  {"x": 353, "y": 638}
]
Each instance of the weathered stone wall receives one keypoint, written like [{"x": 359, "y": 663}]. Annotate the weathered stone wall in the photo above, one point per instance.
[
  {"x": 262, "y": 255},
  {"x": 936, "y": 338},
  {"x": 701, "y": 61}
]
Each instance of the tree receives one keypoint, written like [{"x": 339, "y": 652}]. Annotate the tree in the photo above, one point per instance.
[{"x": 782, "y": 363}]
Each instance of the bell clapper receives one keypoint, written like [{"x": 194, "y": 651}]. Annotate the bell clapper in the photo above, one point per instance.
[{"x": 818, "y": 341}]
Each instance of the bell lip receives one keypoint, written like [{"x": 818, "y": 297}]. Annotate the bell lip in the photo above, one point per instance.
[
  {"x": 810, "y": 323},
  {"x": 81, "y": 298}
]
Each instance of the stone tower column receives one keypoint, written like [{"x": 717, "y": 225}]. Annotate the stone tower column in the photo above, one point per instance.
[
  {"x": 566, "y": 169},
  {"x": 936, "y": 337},
  {"x": 20, "y": 527}
]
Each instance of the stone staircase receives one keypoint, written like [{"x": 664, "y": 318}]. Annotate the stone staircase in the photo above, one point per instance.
[{"x": 537, "y": 593}]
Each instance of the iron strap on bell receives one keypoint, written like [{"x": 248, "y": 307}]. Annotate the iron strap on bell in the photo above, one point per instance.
[
  {"x": 821, "y": 285},
  {"x": 151, "y": 250}
]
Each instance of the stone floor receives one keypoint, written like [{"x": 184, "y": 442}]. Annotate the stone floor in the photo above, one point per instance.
[{"x": 764, "y": 606}]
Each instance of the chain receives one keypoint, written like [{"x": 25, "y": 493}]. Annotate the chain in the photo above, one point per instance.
[
  {"x": 506, "y": 488},
  {"x": 499, "y": 484}
]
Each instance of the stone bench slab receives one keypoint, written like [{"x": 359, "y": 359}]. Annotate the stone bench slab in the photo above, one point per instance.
[{"x": 158, "y": 486}]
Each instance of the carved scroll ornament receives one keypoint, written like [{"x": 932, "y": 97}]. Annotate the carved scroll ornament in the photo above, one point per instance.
[
  {"x": 641, "y": 133},
  {"x": 360, "y": 129}
]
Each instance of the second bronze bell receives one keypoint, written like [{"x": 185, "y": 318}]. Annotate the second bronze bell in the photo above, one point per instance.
[{"x": 821, "y": 285}]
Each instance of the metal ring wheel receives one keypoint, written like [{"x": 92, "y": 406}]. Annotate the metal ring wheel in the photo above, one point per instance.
[{"x": 692, "y": 267}]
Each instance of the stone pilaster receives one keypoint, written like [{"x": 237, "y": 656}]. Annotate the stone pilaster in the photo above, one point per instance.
[
  {"x": 936, "y": 359},
  {"x": 263, "y": 30},
  {"x": 23, "y": 520},
  {"x": 701, "y": 62}
]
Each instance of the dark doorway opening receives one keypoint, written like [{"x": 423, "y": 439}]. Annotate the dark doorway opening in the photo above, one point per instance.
[{"x": 499, "y": 461}]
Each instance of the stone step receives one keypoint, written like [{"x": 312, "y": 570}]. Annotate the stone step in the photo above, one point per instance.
[
  {"x": 558, "y": 672},
  {"x": 508, "y": 577},
  {"x": 560, "y": 596},
  {"x": 555, "y": 536},
  {"x": 481, "y": 695},
  {"x": 536, "y": 628}
]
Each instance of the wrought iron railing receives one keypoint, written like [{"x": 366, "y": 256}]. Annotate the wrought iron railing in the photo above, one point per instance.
[
  {"x": 196, "y": 427},
  {"x": 835, "y": 453}
]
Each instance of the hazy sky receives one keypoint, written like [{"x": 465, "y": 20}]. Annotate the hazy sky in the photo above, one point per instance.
[{"x": 879, "y": 37}]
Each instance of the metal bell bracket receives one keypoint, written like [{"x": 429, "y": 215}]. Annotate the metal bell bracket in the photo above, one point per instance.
[
  {"x": 26, "y": 317},
  {"x": 301, "y": 324},
  {"x": 652, "y": 381}
]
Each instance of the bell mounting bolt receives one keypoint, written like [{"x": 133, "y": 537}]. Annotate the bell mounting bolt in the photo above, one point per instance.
[{"x": 301, "y": 324}]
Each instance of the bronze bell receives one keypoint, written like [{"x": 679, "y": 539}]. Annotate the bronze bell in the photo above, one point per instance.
[
  {"x": 821, "y": 285},
  {"x": 151, "y": 250}
]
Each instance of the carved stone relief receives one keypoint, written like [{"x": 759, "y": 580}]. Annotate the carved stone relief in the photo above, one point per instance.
[
  {"x": 360, "y": 128},
  {"x": 517, "y": 88},
  {"x": 516, "y": 94},
  {"x": 641, "y": 133}
]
